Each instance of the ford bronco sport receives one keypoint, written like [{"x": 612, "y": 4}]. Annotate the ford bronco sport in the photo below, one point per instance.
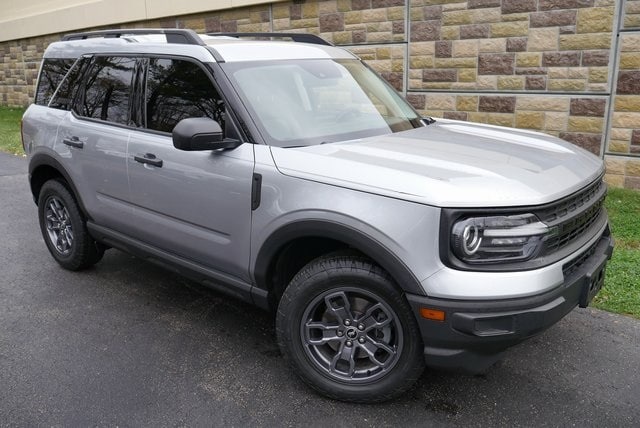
[{"x": 289, "y": 175}]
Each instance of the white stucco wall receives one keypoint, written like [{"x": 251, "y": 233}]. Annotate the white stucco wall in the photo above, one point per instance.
[{"x": 28, "y": 18}]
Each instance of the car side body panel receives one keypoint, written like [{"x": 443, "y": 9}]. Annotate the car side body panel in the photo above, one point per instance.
[
  {"x": 197, "y": 203},
  {"x": 390, "y": 228},
  {"x": 98, "y": 167}
]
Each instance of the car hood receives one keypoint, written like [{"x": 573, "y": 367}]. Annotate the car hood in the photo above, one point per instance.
[{"x": 450, "y": 164}]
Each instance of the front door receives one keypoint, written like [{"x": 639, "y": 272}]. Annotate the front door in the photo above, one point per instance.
[{"x": 195, "y": 205}]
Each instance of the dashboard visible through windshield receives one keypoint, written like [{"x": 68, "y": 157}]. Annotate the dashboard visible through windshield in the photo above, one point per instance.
[{"x": 308, "y": 102}]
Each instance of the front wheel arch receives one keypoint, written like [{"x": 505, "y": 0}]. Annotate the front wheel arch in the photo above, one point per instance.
[{"x": 348, "y": 237}]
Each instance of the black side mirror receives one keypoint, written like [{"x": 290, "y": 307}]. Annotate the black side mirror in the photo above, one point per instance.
[{"x": 201, "y": 133}]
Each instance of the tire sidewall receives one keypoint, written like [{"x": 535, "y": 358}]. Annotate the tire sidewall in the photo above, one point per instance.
[
  {"x": 54, "y": 188},
  {"x": 304, "y": 289}
]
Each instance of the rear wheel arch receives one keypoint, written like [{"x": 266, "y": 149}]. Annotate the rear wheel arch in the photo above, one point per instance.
[
  {"x": 43, "y": 168},
  {"x": 333, "y": 236}
]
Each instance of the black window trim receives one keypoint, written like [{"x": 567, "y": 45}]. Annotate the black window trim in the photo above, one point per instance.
[
  {"x": 243, "y": 121},
  {"x": 138, "y": 93},
  {"x": 143, "y": 59}
]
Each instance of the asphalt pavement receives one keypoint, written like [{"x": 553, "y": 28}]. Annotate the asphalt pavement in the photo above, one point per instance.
[{"x": 129, "y": 344}]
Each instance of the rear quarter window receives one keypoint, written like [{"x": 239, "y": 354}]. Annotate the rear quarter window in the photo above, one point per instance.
[
  {"x": 68, "y": 88},
  {"x": 51, "y": 74}
]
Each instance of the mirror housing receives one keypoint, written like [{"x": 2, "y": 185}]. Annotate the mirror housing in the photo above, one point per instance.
[{"x": 201, "y": 133}]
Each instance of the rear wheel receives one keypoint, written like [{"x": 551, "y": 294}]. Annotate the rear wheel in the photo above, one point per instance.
[
  {"x": 348, "y": 331},
  {"x": 64, "y": 228}
]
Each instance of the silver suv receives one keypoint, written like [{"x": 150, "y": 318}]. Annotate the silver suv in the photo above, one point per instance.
[{"x": 289, "y": 175}]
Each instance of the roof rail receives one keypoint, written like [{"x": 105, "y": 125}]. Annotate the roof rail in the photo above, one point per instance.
[
  {"x": 296, "y": 37},
  {"x": 174, "y": 35}
]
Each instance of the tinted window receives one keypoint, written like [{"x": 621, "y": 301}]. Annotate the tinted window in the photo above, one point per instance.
[
  {"x": 107, "y": 89},
  {"x": 64, "y": 96},
  {"x": 177, "y": 90},
  {"x": 52, "y": 72}
]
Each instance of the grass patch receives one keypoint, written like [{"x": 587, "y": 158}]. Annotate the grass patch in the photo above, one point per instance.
[
  {"x": 10, "y": 130},
  {"x": 621, "y": 291}
]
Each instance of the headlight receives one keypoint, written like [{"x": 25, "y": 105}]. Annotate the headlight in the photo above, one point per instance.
[{"x": 515, "y": 238}]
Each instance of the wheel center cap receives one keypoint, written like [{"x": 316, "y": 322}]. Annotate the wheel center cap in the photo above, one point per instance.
[{"x": 352, "y": 333}]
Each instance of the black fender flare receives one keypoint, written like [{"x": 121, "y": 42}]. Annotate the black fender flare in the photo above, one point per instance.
[
  {"x": 44, "y": 159},
  {"x": 339, "y": 232}
]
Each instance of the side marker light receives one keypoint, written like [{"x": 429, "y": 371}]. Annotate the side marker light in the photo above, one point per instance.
[{"x": 432, "y": 314}]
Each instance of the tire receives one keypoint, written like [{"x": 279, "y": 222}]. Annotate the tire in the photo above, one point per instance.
[
  {"x": 64, "y": 228},
  {"x": 348, "y": 332}
]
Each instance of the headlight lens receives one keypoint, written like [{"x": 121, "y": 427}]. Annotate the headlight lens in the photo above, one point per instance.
[{"x": 481, "y": 240}]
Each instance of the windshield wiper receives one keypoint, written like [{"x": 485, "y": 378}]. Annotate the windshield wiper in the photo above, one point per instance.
[{"x": 428, "y": 120}]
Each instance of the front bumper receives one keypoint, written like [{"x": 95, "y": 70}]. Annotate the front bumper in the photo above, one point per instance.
[{"x": 475, "y": 333}]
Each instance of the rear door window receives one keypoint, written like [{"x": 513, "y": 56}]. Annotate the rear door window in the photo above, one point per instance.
[{"x": 106, "y": 90}]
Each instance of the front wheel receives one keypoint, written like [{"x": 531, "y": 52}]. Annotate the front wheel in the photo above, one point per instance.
[
  {"x": 348, "y": 331},
  {"x": 64, "y": 228}
]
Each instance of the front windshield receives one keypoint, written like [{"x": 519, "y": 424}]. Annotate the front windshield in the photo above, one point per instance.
[{"x": 307, "y": 102}]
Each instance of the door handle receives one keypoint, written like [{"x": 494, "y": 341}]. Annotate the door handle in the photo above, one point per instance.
[
  {"x": 73, "y": 142},
  {"x": 148, "y": 158}
]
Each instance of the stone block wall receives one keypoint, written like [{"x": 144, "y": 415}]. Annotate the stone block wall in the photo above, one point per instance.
[
  {"x": 19, "y": 66},
  {"x": 570, "y": 68},
  {"x": 511, "y": 45},
  {"x": 623, "y": 144}
]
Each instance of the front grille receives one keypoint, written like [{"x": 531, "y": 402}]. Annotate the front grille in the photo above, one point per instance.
[
  {"x": 564, "y": 207},
  {"x": 572, "y": 222},
  {"x": 568, "y": 231},
  {"x": 572, "y": 216}
]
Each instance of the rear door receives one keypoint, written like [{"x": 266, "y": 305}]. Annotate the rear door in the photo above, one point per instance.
[
  {"x": 196, "y": 205},
  {"x": 94, "y": 136}
]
